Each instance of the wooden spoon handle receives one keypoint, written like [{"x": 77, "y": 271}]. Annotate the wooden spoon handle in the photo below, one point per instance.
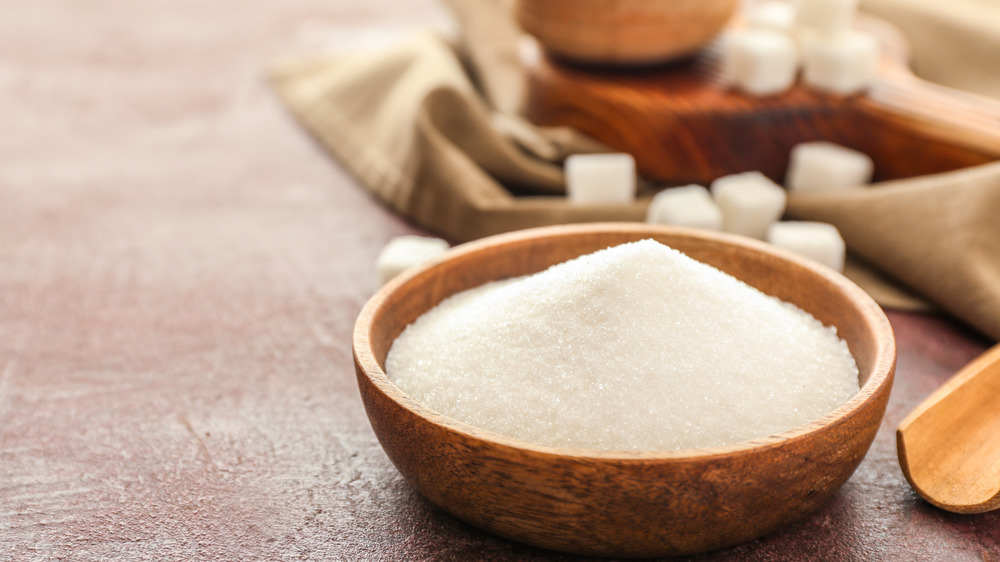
[{"x": 963, "y": 120}]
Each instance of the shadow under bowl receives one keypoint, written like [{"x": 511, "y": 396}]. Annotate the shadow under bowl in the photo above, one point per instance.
[{"x": 632, "y": 504}]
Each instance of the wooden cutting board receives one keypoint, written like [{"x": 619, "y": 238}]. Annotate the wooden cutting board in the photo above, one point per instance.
[{"x": 682, "y": 124}]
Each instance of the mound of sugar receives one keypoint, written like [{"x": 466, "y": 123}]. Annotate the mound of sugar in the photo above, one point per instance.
[{"x": 635, "y": 347}]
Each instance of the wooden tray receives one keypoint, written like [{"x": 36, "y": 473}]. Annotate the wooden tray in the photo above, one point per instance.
[{"x": 683, "y": 125}]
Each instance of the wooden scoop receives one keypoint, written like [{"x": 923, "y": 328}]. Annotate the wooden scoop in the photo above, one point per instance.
[
  {"x": 949, "y": 447},
  {"x": 683, "y": 125}
]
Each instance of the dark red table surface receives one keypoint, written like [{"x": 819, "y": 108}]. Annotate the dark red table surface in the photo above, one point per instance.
[{"x": 180, "y": 270}]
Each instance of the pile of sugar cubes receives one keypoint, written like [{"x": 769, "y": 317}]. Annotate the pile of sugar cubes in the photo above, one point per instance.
[
  {"x": 748, "y": 203},
  {"x": 817, "y": 35},
  {"x": 752, "y": 205}
]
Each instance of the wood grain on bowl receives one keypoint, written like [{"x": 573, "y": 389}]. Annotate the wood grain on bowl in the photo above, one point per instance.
[
  {"x": 624, "y": 504},
  {"x": 623, "y": 32}
]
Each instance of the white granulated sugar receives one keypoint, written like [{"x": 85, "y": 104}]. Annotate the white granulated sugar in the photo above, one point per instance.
[{"x": 636, "y": 347}]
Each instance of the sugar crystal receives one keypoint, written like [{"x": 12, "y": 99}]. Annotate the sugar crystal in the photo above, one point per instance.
[{"x": 635, "y": 347}]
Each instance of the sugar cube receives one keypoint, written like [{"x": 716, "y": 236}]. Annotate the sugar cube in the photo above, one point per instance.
[
  {"x": 600, "y": 178},
  {"x": 846, "y": 64},
  {"x": 804, "y": 38},
  {"x": 749, "y": 202},
  {"x": 772, "y": 14},
  {"x": 815, "y": 240},
  {"x": 404, "y": 252},
  {"x": 824, "y": 166},
  {"x": 760, "y": 62},
  {"x": 829, "y": 17},
  {"x": 690, "y": 205}
]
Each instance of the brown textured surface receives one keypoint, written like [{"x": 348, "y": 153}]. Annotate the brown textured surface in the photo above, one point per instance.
[{"x": 180, "y": 270}]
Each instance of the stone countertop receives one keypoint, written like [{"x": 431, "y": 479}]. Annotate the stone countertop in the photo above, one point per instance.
[{"x": 180, "y": 270}]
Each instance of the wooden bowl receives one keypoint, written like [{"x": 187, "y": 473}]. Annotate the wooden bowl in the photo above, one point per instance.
[
  {"x": 652, "y": 503},
  {"x": 624, "y": 32}
]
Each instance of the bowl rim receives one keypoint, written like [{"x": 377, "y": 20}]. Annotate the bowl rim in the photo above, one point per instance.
[{"x": 881, "y": 376}]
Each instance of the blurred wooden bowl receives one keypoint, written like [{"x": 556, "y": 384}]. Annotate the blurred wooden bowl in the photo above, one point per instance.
[
  {"x": 623, "y": 32},
  {"x": 624, "y": 504}
]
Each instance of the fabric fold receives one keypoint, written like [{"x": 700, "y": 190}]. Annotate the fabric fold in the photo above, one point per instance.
[
  {"x": 408, "y": 124},
  {"x": 938, "y": 235}
]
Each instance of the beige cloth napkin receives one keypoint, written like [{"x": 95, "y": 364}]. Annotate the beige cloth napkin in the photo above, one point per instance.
[{"x": 430, "y": 127}]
